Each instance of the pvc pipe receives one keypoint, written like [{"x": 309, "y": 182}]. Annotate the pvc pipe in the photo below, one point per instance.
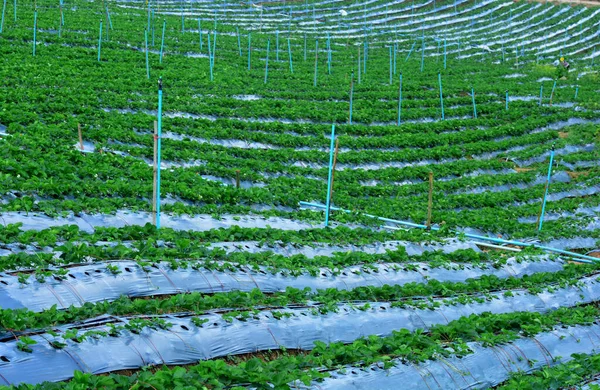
[
  {"x": 109, "y": 18},
  {"x": 35, "y": 30},
  {"x": 249, "y": 49},
  {"x": 400, "y": 100},
  {"x": 445, "y": 52},
  {"x": 267, "y": 63},
  {"x": 200, "y": 33},
  {"x": 391, "y": 71},
  {"x": 328, "y": 204},
  {"x": 507, "y": 99},
  {"x": 2, "y": 20},
  {"x": 210, "y": 56},
  {"x": 410, "y": 51},
  {"x": 547, "y": 188},
  {"x": 277, "y": 45},
  {"x": 351, "y": 96},
  {"x": 422, "y": 54},
  {"x": 576, "y": 92},
  {"x": 290, "y": 56},
  {"x": 159, "y": 120},
  {"x": 316, "y": 62},
  {"x": 304, "y": 47},
  {"x": 162, "y": 43},
  {"x": 580, "y": 258},
  {"x": 214, "y": 48},
  {"x": 238, "y": 40},
  {"x": 146, "y": 46},
  {"x": 552, "y": 93},
  {"x": 541, "y": 93},
  {"x": 474, "y": 105},
  {"x": 441, "y": 95}
]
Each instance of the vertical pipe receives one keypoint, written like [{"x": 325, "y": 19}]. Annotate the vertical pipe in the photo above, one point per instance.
[
  {"x": 328, "y": 203},
  {"x": 249, "y": 49},
  {"x": 210, "y": 57},
  {"x": 552, "y": 93},
  {"x": 445, "y": 52},
  {"x": 153, "y": 27},
  {"x": 154, "y": 173},
  {"x": 214, "y": 48},
  {"x": 391, "y": 70},
  {"x": 316, "y": 63},
  {"x": 277, "y": 45},
  {"x": 304, "y": 47},
  {"x": 441, "y": 95},
  {"x": 162, "y": 43},
  {"x": 576, "y": 92},
  {"x": 507, "y": 99},
  {"x": 395, "y": 55},
  {"x": 290, "y": 56},
  {"x": 351, "y": 97},
  {"x": 239, "y": 40},
  {"x": 3, "y": 11},
  {"x": 422, "y": 54},
  {"x": 34, "y": 30},
  {"x": 267, "y": 62},
  {"x": 400, "y": 100},
  {"x": 159, "y": 120},
  {"x": 541, "y": 94},
  {"x": 359, "y": 65},
  {"x": 109, "y": 18},
  {"x": 200, "y": 33},
  {"x": 546, "y": 190},
  {"x": 146, "y": 47},
  {"x": 365, "y": 58},
  {"x": 474, "y": 105}
]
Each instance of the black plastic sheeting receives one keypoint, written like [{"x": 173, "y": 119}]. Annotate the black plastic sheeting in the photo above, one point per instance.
[
  {"x": 484, "y": 368},
  {"x": 186, "y": 343},
  {"x": 95, "y": 283}
]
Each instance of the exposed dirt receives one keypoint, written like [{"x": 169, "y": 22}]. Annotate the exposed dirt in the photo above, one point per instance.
[
  {"x": 575, "y": 175},
  {"x": 563, "y": 134},
  {"x": 520, "y": 170}
]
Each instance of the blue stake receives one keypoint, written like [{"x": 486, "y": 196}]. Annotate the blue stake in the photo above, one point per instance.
[
  {"x": 277, "y": 45},
  {"x": 159, "y": 120},
  {"x": 351, "y": 96},
  {"x": 162, "y": 43},
  {"x": 328, "y": 204},
  {"x": 391, "y": 70},
  {"x": 239, "y": 41},
  {"x": 441, "y": 96},
  {"x": 445, "y": 52},
  {"x": 108, "y": 17},
  {"x": 410, "y": 51},
  {"x": 210, "y": 57},
  {"x": 576, "y": 92},
  {"x": 474, "y": 106},
  {"x": 541, "y": 94},
  {"x": 400, "y": 100},
  {"x": 200, "y": 33},
  {"x": 146, "y": 45},
  {"x": 34, "y": 30},
  {"x": 2, "y": 21},
  {"x": 422, "y": 54},
  {"x": 304, "y": 47},
  {"x": 290, "y": 56},
  {"x": 267, "y": 63},
  {"x": 547, "y": 187},
  {"x": 100, "y": 41},
  {"x": 552, "y": 93},
  {"x": 249, "y": 49},
  {"x": 214, "y": 48},
  {"x": 316, "y": 62},
  {"x": 507, "y": 99}
]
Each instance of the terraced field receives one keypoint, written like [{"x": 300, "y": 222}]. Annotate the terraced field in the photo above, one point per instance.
[{"x": 456, "y": 169}]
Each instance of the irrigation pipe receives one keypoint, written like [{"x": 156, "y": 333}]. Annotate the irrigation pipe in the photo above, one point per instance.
[{"x": 580, "y": 258}]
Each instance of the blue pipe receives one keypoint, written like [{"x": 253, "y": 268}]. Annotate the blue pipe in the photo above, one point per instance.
[
  {"x": 328, "y": 205},
  {"x": 400, "y": 100},
  {"x": 35, "y": 30},
  {"x": 507, "y": 99},
  {"x": 249, "y": 49},
  {"x": 210, "y": 56},
  {"x": 100, "y": 41},
  {"x": 547, "y": 188},
  {"x": 159, "y": 120},
  {"x": 552, "y": 93},
  {"x": 395, "y": 55},
  {"x": 147, "y": 63},
  {"x": 541, "y": 94},
  {"x": 290, "y": 56},
  {"x": 267, "y": 63},
  {"x": 474, "y": 106},
  {"x": 162, "y": 44},
  {"x": 3, "y": 11},
  {"x": 441, "y": 96},
  {"x": 422, "y": 54},
  {"x": 580, "y": 258},
  {"x": 391, "y": 65},
  {"x": 576, "y": 92}
]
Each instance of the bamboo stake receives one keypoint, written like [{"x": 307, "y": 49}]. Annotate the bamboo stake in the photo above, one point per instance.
[{"x": 154, "y": 171}]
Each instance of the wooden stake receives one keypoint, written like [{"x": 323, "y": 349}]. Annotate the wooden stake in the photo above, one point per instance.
[
  {"x": 430, "y": 201},
  {"x": 237, "y": 178},
  {"x": 154, "y": 172},
  {"x": 80, "y": 137},
  {"x": 337, "y": 145}
]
